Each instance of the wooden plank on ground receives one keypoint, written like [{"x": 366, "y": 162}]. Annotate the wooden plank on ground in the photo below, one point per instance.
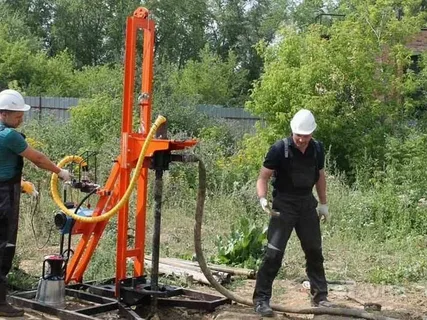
[
  {"x": 250, "y": 274},
  {"x": 190, "y": 274}
]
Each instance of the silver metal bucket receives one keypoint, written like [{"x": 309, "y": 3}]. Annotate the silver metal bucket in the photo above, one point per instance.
[
  {"x": 51, "y": 292},
  {"x": 51, "y": 287}
]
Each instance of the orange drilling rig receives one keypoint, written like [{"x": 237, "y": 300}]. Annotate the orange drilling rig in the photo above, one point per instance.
[{"x": 141, "y": 150}]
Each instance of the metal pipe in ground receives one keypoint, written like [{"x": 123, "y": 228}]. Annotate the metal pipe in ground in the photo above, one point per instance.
[{"x": 158, "y": 189}]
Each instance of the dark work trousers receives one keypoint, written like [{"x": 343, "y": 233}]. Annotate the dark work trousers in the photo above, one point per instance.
[
  {"x": 10, "y": 195},
  {"x": 299, "y": 213}
]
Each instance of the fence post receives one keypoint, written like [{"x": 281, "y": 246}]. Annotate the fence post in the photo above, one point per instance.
[{"x": 40, "y": 108}]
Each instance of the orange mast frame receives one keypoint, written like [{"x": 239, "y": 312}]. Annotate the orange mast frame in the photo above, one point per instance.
[{"x": 131, "y": 145}]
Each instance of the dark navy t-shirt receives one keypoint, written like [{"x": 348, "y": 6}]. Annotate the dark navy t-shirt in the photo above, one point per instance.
[{"x": 276, "y": 160}]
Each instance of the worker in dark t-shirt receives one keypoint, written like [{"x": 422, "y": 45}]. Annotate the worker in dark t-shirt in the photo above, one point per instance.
[{"x": 296, "y": 165}]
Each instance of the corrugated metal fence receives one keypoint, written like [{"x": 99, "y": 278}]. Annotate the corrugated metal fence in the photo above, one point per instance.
[
  {"x": 59, "y": 108},
  {"x": 42, "y": 107}
]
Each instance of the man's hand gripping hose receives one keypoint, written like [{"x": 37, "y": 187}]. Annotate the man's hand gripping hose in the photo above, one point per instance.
[
  {"x": 266, "y": 207},
  {"x": 79, "y": 160},
  {"x": 230, "y": 295}
]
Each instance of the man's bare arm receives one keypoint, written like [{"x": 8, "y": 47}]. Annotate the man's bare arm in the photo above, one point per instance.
[
  {"x": 40, "y": 159},
  {"x": 262, "y": 182},
  {"x": 321, "y": 187}
]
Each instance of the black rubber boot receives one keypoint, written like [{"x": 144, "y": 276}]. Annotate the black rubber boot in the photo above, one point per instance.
[
  {"x": 263, "y": 309},
  {"x": 324, "y": 303},
  {"x": 6, "y": 309},
  {"x": 9, "y": 311}
]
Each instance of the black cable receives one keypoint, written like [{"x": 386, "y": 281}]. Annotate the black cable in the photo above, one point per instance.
[
  {"x": 85, "y": 198},
  {"x": 33, "y": 213},
  {"x": 74, "y": 221}
]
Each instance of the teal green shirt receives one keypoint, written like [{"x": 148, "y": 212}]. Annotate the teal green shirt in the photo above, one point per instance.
[{"x": 11, "y": 145}]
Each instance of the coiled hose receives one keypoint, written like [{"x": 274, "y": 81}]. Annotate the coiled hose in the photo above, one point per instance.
[
  {"x": 77, "y": 159},
  {"x": 230, "y": 295}
]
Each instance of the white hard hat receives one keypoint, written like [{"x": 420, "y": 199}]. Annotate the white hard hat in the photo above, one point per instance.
[
  {"x": 303, "y": 122},
  {"x": 12, "y": 100}
]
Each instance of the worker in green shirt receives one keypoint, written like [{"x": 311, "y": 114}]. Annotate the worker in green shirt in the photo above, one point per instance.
[{"x": 13, "y": 149}]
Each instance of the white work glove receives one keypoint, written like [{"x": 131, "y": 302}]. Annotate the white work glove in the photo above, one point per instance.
[
  {"x": 266, "y": 207},
  {"x": 64, "y": 175},
  {"x": 264, "y": 203},
  {"x": 323, "y": 212},
  {"x": 29, "y": 188}
]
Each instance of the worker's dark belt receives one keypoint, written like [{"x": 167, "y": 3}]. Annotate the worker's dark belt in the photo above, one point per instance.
[
  {"x": 11, "y": 182},
  {"x": 292, "y": 196}
]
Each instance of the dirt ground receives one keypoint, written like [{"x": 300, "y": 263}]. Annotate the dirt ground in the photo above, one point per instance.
[
  {"x": 409, "y": 303},
  {"x": 399, "y": 302}
]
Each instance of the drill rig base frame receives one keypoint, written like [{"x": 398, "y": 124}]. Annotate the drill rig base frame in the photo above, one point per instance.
[
  {"x": 133, "y": 303},
  {"x": 131, "y": 297}
]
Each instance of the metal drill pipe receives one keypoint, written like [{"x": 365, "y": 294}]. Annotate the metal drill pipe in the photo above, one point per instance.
[{"x": 158, "y": 189}]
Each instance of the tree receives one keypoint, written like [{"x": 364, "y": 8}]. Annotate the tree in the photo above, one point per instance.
[
  {"x": 306, "y": 13},
  {"x": 115, "y": 24},
  {"x": 93, "y": 32},
  {"x": 36, "y": 14},
  {"x": 180, "y": 29},
  {"x": 79, "y": 26},
  {"x": 17, "y": 45},
  {"x": 210, "y": 80},
  {"x": 354, "y": 82},
  {"x": 239, "y": 25}
]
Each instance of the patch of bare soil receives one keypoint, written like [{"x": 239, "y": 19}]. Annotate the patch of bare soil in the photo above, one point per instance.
[
  {"x": 409, "y": 303},
  {"x": 32, "y": 315}
]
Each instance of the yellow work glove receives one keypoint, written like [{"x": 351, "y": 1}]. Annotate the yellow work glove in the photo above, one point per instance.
[{"x": 29, "y": 188}]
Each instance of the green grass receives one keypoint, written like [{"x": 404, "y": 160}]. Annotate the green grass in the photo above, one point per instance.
[{"x": 373, "y": 234}]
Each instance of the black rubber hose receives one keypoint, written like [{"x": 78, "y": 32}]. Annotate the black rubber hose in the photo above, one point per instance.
[
  {"x": 230, "y": 295},
  {"x": 69, "y": 251},
  {"x": 73, "y": 222}
]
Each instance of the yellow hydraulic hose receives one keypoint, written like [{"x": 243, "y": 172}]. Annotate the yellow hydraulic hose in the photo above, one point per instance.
[{"x": 54, "y": 181}]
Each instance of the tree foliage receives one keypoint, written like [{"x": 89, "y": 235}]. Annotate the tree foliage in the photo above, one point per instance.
[
  {"x": 180, "y": 29},
  {"x": 238, "y": 25},
  {"x": 210, "y": 80},
  {"x": 92, "y": 32},
  {"x": 353, "y": 73},
  {"x": 354, "y": 79},
  {"x": 25, "y": 67}
]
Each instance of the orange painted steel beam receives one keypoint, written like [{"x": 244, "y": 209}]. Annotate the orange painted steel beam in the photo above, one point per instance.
[
  {"x": 122, "y": 228},
  {"x": 135, "y": 143},
  {"x": 89, "y": 228},
  {"x": 139, "y": 21},
  {"x": 93, "y": 242}
]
